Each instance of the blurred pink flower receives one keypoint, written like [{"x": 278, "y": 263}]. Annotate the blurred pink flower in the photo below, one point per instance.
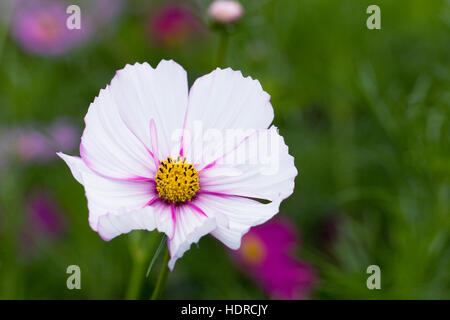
[
  {"x": 64, "y": 134},
  {"x": 32, "y": 145},
  {"x": 38, "y": 145},
  {"x": 103, "y": 13},
  {"x": 100, "y": 15},
  {"x": 44, "y": 222},
  {"x": 40, "y": 27},
  {"x": 173, "y": 24},
  {"x": 266, "y": 255}
]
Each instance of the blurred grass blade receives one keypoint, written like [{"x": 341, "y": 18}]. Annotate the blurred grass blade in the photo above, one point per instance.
[{"x": 155, "y": 256}]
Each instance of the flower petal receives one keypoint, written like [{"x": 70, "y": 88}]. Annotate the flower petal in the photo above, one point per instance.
[
  {"x": 237, "y": 215},
  {"x": 109, "y": 147},
  {"x": 190, "y": 227},
  {"x": 163, "y": 217},
  {"x": 267, "y": 171},
  {"x": 111, "y": 225},
  {"x": 224, "y": 100},
  {"x": 108, "y": 196},
  {"x": 161, "y": 94},
  {"x": 117, "y": 140}
]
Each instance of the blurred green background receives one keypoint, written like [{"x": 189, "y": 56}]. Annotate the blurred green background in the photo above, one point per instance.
[{"x": 364, "y": 112}]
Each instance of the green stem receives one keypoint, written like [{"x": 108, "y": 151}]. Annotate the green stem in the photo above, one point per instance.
[
  {"x": 222, "y": 50},
  {"x": 162, "y": 278},
  {"x": 141, "y": 246},
  {"x": 137, "y": 273}
]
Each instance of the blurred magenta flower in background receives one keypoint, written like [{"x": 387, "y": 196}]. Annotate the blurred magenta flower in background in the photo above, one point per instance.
[
  {"x": 45, "y": 215},
  {"x": 173, "y": 24},
  {"x": 44, "y": 221},
  {"x": 266, "y": 256},
  {"x": 40, "y": 27}
]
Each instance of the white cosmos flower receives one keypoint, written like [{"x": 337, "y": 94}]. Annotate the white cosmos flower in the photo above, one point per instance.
[{"x": 144, "y": 165}]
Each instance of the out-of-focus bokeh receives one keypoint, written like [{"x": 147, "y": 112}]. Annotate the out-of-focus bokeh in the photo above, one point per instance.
[{"x": 365, "y": 114}]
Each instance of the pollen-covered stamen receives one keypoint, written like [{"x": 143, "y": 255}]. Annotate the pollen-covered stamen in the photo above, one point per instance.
[{"x": 176, "y": 180}]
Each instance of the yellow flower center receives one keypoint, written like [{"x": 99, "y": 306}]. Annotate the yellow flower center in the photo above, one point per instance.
[
  {"x": 252, "y": 250},
  {"x": 176, "y": 180}
]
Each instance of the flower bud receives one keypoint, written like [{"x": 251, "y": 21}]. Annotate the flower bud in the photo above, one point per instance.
[{"x": 226, "y": 11}]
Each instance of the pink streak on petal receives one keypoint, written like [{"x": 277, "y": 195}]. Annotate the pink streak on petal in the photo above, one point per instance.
[
  {"x": 174, "y": 219},
  {"x": 193, "y": 206},
  {"x": 145, "y": 146},
  {"x": 152, "y": 201},
  {"x": 182, "y": 133},
  {"x": 210, "y": 165},
  {"x": 213, "y": 163}
]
